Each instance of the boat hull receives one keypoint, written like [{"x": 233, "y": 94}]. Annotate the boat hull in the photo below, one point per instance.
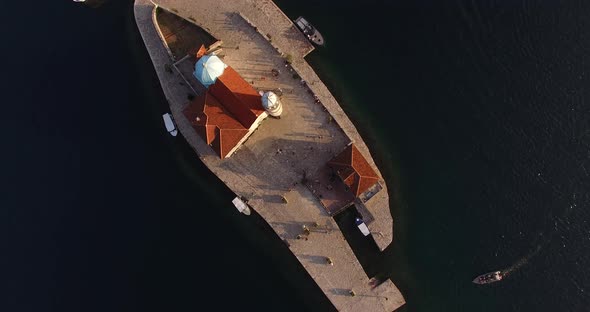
[
  {"x": 241, "y": 206},
  {"x": 488, "y": 278},
  {"x": 169, "y": 123},
  {"x": 309, "y": 31}
]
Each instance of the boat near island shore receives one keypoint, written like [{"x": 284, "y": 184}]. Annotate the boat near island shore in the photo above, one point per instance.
[
  {"x": 169, "y": 123},
  {"x": 309, "y": 31},
  {"x": 241, "y": 206}
]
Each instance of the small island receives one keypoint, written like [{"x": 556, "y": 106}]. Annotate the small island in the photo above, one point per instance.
[{"x": 258, "y": 116}]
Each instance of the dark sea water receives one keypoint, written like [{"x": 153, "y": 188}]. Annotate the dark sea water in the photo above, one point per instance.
[{"x": 476, "y": 112}]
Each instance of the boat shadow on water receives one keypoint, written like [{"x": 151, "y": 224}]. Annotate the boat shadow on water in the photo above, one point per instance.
[{"x": 92, "y": 3}]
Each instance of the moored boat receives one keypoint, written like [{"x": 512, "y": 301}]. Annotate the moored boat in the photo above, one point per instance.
[
  {"x": 488, "y": 278},
  {"x": 241, "y": 206},
  {"x": 309, "y": 31},
  {"x": 362, "y": 226},
  {"x": 170, "y": 126}
]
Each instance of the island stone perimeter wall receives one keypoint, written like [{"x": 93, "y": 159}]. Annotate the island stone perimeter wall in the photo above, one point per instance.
[
  {"x": 267, "y": 169},
  {"x": 217, "y": 17}
]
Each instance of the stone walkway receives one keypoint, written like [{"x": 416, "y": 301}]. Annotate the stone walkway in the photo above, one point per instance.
[{"x": 270, "y": 165}]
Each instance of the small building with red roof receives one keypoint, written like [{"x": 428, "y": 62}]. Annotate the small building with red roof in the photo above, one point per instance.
[{"x": 354, "y": 170}]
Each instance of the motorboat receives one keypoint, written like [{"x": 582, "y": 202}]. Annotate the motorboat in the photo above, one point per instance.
[
  {"x": 362, "y": 226},
  {"x": 488, "y": 278},
  {"x": 309, "y": 31},
  {"x": 241, "y": 206},
  {"x": 170, "y": 126}
]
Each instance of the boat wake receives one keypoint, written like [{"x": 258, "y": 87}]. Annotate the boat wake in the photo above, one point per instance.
[
  {"x": 524, "y": 260},
  {"x": 521, "y": 262}
]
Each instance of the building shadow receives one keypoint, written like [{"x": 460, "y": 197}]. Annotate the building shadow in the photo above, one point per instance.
[
  {"x": 340, "y": 292},
  {"x": 313, "y": 259},
  {"x": 275, "y": 199},
  {"x": 277, "y": 162},
  {"x": 291, "y": 229}
]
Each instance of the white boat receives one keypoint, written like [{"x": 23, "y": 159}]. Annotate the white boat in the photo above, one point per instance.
[
  {"x": 362, "y": 226},
  {"x": 241, "y": 206},
  {"x": 170, "y": 126}
]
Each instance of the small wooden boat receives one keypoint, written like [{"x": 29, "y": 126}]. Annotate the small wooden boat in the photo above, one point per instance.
[{"x": 489, "y": 278}]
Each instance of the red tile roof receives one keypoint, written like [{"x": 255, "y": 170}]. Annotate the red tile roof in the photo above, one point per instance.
[
  {"x": 237, "y": 96},
  {"x": 200, "y": 52},
  {"x": 354, "y": 170},
  {"x": 214, "y": 124}
]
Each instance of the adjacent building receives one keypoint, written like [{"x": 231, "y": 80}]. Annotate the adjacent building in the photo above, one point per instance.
[{"x": 354, "y": 170}]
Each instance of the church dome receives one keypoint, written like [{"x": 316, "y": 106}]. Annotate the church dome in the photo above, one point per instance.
[{"x": 208, "y": 68}]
